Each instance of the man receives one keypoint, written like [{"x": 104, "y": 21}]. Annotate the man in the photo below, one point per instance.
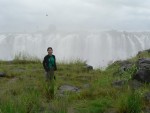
[{"x": 49, "y": 64}]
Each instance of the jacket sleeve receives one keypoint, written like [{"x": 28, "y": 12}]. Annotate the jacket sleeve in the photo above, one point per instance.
[
  {"x": 44, "y": 64},
  {"x": 55, "y": 64}
]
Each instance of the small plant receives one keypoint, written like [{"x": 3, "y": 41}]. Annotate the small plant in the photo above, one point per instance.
[
  {"x": 49, "y": 90},
  {"x": 130, "y": 103},
  {"x": 95, "y": 106}
]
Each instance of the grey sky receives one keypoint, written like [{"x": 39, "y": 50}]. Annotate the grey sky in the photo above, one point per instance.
[{"x": 30, "y": 15}]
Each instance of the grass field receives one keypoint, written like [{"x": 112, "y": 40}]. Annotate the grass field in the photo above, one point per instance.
[{"x": 24, "y": 89}]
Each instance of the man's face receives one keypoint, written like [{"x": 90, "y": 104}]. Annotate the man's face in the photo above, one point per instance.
[{"x": 50, "y": 51}]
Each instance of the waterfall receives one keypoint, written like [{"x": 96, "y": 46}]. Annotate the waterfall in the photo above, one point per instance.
[{"x": 97, "y": 48}]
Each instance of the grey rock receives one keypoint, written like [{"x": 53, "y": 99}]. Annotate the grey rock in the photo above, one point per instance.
[
  {"x": 2, "y": 74},
  {"x": 144, "y": 60},
  {"x": 70, "y": 88},
  {"x": 144, "y": 66},
  {"x": 144, "y": 63},
  {"x": 143, "y": 73},
  {"x": 88, "y": 67},
  {"x": 142, "y": 76},
  {"x": 119, "y": 83},
  {"x": 147, "y": 97},
  {"x": 124, "y": 65}
]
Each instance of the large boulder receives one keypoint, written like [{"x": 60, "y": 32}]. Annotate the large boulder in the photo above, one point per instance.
[
  {"x": 143, "y": 73},
  {"x": 2, "y": 74}
]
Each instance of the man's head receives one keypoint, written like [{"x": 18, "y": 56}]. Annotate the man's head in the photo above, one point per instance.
[{"x": 50, "y": 50}]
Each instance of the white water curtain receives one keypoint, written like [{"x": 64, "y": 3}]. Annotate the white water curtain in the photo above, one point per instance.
[{"x": 98, "y": 49}]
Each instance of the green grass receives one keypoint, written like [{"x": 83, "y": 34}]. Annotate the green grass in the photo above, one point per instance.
[
  {"x": 130, "y": 103},
  {"x": 23, "y": 90}
]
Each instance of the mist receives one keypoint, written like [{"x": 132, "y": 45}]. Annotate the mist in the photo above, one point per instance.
[{"x": 74, "y": 15}]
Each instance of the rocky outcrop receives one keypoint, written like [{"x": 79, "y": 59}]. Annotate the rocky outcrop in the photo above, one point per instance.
[
  {"x": 125, "y": 65},
  {"x": 143, "y": 73}
]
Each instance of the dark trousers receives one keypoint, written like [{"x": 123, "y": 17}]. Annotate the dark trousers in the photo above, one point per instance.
[{"x": 50, "y": 83}]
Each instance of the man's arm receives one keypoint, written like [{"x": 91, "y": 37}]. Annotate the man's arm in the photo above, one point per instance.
[{"x": 44, "y": 64}]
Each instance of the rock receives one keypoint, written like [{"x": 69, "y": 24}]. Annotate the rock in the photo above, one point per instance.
[
  {"x": 134, "y": 84},
  {"x": 147, "y": 97},
  {"x": 2, "y": 74},
  {"x": 142, "y": 76},
  {"x": 146, "y": 110},
  {"x": 144, "y": 63},
  {"x": 119, "y": 83},
  {"x": 88, "y": 67},
  {"x": 143, "y": 73},
  {"x": 65, "y": 88},
  {"x": 125, "y": 65}
]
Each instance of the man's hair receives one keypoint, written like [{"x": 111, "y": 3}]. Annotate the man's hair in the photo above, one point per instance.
[{"x": 49, "y": 48}]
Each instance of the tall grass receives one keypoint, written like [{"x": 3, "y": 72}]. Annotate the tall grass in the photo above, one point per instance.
[
  {"x": 130, "y": 103},
  {"x": 25, "y": 58},
  {"x": 25, "y": 90}
]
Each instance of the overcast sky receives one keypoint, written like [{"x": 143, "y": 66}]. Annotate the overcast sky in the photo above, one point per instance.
[{"x": 30, "y": 15}]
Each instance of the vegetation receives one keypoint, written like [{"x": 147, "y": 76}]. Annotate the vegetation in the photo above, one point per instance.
[{"x": 24, "y": 89}]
